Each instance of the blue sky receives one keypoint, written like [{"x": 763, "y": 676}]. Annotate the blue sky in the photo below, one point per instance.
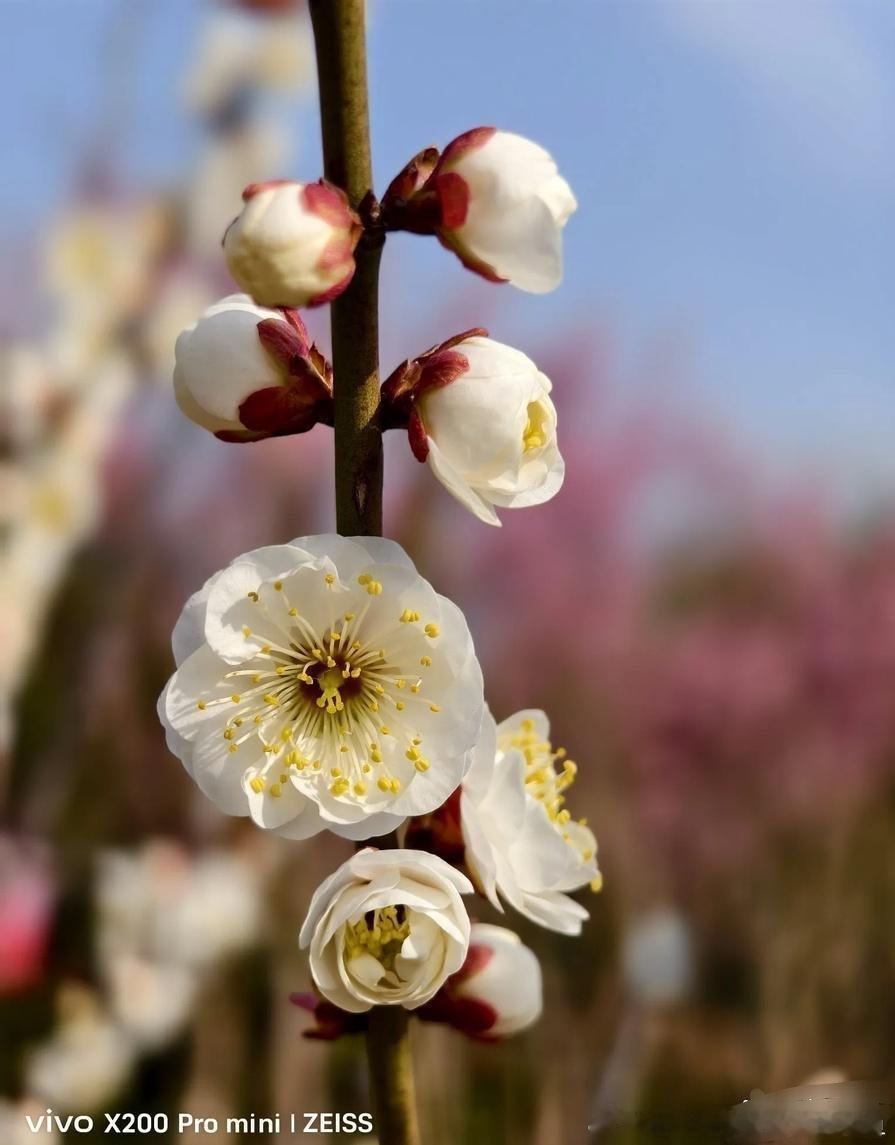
[{"x": 733, "y": 160}]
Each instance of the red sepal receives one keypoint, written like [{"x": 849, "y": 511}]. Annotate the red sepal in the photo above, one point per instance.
[
  {"x": 417, "y": 436},
  {"x": 410, "y": 178},
  {"x": 279, "y": 410},
  {"x": 452, "y": 191},
  {"x": 331, "y": 1022}
]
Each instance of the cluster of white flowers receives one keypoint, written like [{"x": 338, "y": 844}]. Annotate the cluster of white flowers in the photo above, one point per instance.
[
  {"x": 323, "y": 684},
  {"x": 164, "y": 919}
]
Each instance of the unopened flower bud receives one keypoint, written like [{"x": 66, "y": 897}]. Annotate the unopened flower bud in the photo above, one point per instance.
[
  {"x": 496, "y": 199},
  {"x": 497, "y": 993},
  {"x": 293, "y": 243},
  {"x": 480, "y": 413},
  {"x": 245, "y": 372}
]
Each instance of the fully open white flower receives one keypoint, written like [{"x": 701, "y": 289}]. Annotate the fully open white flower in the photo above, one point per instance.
[
  {"x": 502, "y": 976},
  {"x": 324, "y": 683},
  {"x": 503, "y": 206},
  {"x": 246, "y": 372},
  {"x": 293, "y": 243},
  {"x": 521, "y": 842},
  {"x": 483, "y": 419},
  {"x": 387, "y": 929}
]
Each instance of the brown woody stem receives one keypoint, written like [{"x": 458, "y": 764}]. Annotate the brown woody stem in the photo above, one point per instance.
[
  {"x": 339, "y": 36},
  {"x": 340, "y": 39}
]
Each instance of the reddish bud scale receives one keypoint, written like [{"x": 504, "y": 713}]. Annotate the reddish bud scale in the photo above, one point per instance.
[{"x": 434, "y": 369}]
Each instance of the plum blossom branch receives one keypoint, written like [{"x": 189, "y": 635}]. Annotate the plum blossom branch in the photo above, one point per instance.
[{"x": 340, "y": 42}]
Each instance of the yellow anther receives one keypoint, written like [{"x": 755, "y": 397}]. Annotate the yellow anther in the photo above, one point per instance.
[
  {"x": 360, "y": 788},
  {"x": 339, "y": 787},
  {"x": 434, "y": 708},
  {"x": 278, "y": 585},
  {"x": 236, "y": 698},
  {"x": 253, "y": 596},
  {"x": 246, "y": 631},
  {"x": 421, "y": 764},
  {"x": 293, "y": 611},
  {"x": 228, "y": 733},
  {"x": 596, "y": 885},
  {"x": 265, "y": 649},
  {"x": 238, "y": 721},
  {"x": 343, "y": 748},
  {"x": 400, "y": 705},
  {"x": 528, "y": 725},
  {"x": 349, "y": 616},
  {"x": 329, "y": 578},
  {"x": 386, "y": 730},
  {"x": 201, "y": 705},
  {"x": 416, "y": 687},
  {"x": 412, "y": 754},
  {"x": 395, "y": 785},
  {"x": 256, "y": 679},
  {"x": 384, "y": 784},
  {"x": 432, "y": 630},
  {"x": 426, "y": 661},
  {"x": 335, "y": 772},
  {"x": 257, "y": 719},
  {"x": 372, "y": 705},
  {"x": 270, "y": 698},
  {"x": 281, "y": 669},
  {"x": 257, "y": 785},
  {"x": 234, "y": 747},
  {"x": 365, "y": 768},
  {"x": 364, "y": 578},
  {"x": 400, "y": 683},
  {"x": 375, "y": 755},
  {"x": 374, "y": 588},
  {"x": 408, "y": 616},
  {"x": 275, "y": 790}
]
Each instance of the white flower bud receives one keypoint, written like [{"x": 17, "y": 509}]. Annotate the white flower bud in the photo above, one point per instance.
[
  {"x": 480, "y": 413},
  {"x": 503, "y": 206},
  {"x": 387, "y": 929},
  {"x": 293, "y": 244},
  {"x": 245, "y": 372},
  {"x": 502, "y": 976}
]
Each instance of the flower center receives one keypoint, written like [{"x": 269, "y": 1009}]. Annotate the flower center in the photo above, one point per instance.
[
  {"x": 319, "y": 700},
  {"x": 534, "y": 436},
  {"x": 380, "y": 933}
]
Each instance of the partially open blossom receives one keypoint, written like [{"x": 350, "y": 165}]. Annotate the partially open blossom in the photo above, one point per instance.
[
  {"x": 386, "y": 929},
  {"x": 522, "y": 844},
  {"x": 494, "y": 198},
  {"x": 480, "y": 413},
  {"x": 245, "y": 372},
  {"x": 324, "y": 683},
  {"x": 293, "y": 243},
  {"x": 497, "y": 992}
]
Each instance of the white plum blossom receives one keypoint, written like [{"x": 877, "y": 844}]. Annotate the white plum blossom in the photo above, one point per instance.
[
  {"x": 480, "y": 414},
  {"x": 323, "y": 684},
  {"x": 502, "y": 977},
  {"x": 246, "y": 372},
  {"x": 292, "y": 244},
  {"x": 387, "y": 928},
  {"x": 521, "y": 842},
  {"x": 502, "y": 207},
  {"x": 85, "y": 1061}
]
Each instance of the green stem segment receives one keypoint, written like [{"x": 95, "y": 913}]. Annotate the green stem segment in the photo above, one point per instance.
[
  {"x": 339, "y": 36},
  {"x": 340, "y": 39},
  {"x": 391, "y": 1076}
]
